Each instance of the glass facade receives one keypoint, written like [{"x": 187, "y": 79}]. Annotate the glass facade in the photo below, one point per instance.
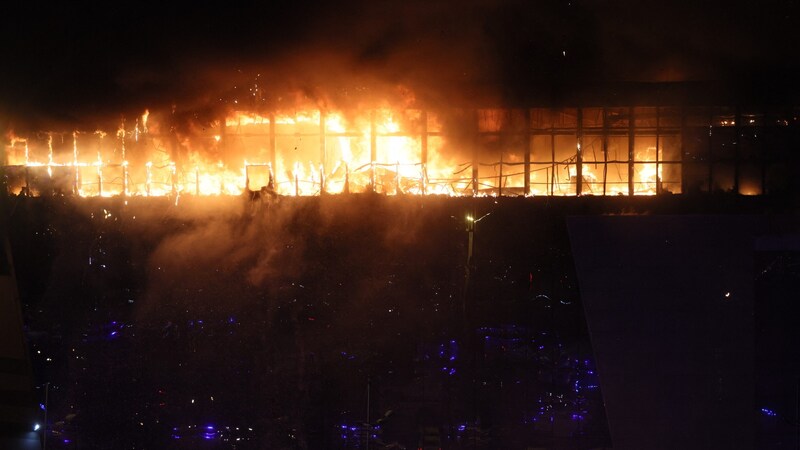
[{"x": 601, "y": 151}]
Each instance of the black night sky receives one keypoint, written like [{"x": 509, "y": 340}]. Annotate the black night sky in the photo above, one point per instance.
[{"x": 76, "y": 63}]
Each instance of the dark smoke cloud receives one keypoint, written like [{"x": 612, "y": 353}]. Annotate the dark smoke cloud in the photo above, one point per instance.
[{"x": 86, "y": 65}]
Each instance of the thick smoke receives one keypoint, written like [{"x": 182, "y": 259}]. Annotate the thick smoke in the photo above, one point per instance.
[
  {"x": 81, "y": 67},
  {"x": 229, "y": 255}
]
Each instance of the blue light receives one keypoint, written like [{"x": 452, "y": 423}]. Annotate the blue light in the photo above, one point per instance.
[
  {"x": 769, "y": 412},
  {"x": 462, "y": 427},
  {"x": 210, "y": 427},
  {"x": 41, "y": 406}
]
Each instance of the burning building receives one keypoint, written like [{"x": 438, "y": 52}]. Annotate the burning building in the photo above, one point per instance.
[
  {"x": 567, "y": 151},
  {"x": 418, "y": 276}
]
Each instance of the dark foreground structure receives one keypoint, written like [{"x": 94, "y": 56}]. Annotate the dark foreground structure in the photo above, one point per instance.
[
  {"x": 421, "y": 322},
  {"x": 682, "y": 312}
]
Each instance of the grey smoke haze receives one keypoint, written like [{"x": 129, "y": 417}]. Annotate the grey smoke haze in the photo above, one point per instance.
[{"x": 226, "y": 255}]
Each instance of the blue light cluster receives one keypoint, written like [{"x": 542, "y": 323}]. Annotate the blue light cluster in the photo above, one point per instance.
[
  {"x": 354, "y": 435},
  {"x": 213, "y": 433},
  {"x": 446, "y": 354},
  {"x": 768, "y": 412},
  {"x": 114, "y": 329}
]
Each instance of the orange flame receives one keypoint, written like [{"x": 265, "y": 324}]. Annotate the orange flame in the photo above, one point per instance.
[{"x": 305, "y": 152}]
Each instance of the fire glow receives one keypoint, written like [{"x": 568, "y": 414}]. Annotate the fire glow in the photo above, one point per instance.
[{"x": 307, "y": 153}]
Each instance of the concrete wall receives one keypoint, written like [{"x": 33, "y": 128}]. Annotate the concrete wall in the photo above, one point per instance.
[{"x": 669, "y": 305}]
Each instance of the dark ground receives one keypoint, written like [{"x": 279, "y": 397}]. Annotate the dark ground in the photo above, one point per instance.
[{"x": 216, "y": 319}]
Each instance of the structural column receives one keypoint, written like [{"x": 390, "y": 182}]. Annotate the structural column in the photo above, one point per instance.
[
  {"x": 373, "y": 150},
  {"x": 710, "y": 156},
  {"x": 475, "y": 180},
  {"x": 553, "y": 167},
  {"x": 682, "y": 146},
  {"x": 272, "y": 151},
  {"x": 737, "y": 119},
  {"x": 658, "y": 150},
  {"x": 424, "y": 148},
  {"x": 323, "y": 156},
  {"x": 528, "y": 146},
  {"x": 605, "y": 150},
  {"x": 579, "y": 154},
  {"x": 631, "y": 139}
]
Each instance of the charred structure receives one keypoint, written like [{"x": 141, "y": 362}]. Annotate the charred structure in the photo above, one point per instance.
[
  {"x": 619, "y": 150},
  {"x": 400, "y": 224}
]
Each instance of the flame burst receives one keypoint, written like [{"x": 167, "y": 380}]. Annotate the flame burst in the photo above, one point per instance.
[{"x": 307, "y": 152}]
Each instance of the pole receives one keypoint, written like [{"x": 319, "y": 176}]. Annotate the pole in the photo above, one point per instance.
[
  {"x": 369, "y": 429},
  {"x": 44, "y": 438}
]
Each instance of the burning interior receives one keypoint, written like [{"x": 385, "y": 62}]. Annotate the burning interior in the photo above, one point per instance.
[
  {"x": 641, "y": 150},
  {"x": 421, "y": 281}
]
